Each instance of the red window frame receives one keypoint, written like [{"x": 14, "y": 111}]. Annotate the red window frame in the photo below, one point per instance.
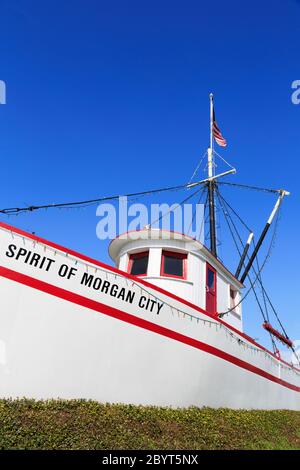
[
  {"x": 209, "y": 267},
  {"x": 134, "y": 256},
  {"x": 174, "y": 254}
]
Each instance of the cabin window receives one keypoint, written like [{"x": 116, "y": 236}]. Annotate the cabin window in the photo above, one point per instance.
[
  {"x": 138, "y": 264},
  {"x": 211, "y": 279},
  {"x": 173, "y": 264}
]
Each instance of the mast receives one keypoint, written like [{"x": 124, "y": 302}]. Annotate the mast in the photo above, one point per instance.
[{"x": 211, "y": 185}]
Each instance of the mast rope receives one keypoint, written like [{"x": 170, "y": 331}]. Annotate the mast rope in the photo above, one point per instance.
[
  {"x": 222, "y": 158},
  {"x": 85, "y": 203},
  {"x": 253, "y": 282},
  {"x": 227, "y": 216},
  {"x": 63, "y": 205},
  {"x": 255, "y": 188},
  {"x": 195, "y": 211},
  {"x": 262, "y": 289},
  {"x": 236, "y": 214},
  {"x": 268, "y": 254},
  {"x": 258, "y": 277},
  {"x": 197, "y": 167},
  {"x": 177, "y": 205}
]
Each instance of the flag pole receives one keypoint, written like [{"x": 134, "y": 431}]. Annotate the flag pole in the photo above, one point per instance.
[
  {"x": 211, "y": 184},
  {"x": 211, "y": 102}
]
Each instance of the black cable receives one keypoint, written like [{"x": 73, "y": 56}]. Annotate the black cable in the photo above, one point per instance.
[
  {"x": 255, "y": 188},
  {"x": 178, "y": 205},
  {"x": 259, "y": 278},
  {"x": 265, "y": 292},
  {"x": 258, "y": 273},
  {"x": 236, "y": 214},
  {"x": 227, "y": 215},
  {"x": 15, "y": 210},
  {"x": 195, "y": 211},
  {"x": 250, "y": 280}
]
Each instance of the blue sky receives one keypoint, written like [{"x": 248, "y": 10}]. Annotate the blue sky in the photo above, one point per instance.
[{"x": 112, "y": 97}]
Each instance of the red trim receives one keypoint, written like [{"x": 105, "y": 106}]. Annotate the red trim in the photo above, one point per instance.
[
  {"x": 134, "y": 256},
  {"x": 267, "y": 326},
  {"x": 174, "y": 254},
  {"x": 139, "y": 322},
  {"x": 213, "y": 291},
  {"x": 141, "y": 281}
]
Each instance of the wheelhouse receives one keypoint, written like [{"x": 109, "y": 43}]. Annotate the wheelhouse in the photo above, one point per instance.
[{"x": 182, "y": 266}]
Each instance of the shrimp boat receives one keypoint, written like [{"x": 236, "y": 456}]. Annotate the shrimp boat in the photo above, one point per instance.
[{"x": 164, "y": 326}]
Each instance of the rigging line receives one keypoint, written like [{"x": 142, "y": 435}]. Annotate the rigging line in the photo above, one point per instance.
[
  {"x": 195, "y": 211},
  {"x": 272, "y": 242},
  {"x": 259, "y": 274},
  {"x": 216, "y": 153},
  {"x": 249, "y": 290},
  {"x": 276, "y": 314},
  {"x": 13, "y": 210},
  {"x": 197, "y": 167},
  {"x": 252, "y": 282},
  {"x": 252, "y": 285},
  {"x": 226, "y": 213},
  {"x": 256, "y": 188},
  {"x": 264, "y": 300},
  {"x": 177, "y": 205},
  {"x": 235, "y": 213},
  {"x": 259, "y": 279},
  {"x": 261, "y": 286},
  {"x": 238, "y": 250}
]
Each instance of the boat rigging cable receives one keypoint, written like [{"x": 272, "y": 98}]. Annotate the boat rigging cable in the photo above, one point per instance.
[
  {"x": 266, "y": 324},
  {"x": 258, "y": 275},
  {"x": 245, "y": 186},
  {"x": 66, "y": 205},
  {"x": 195, "y": 212},
  {"x": 177, "y": 205}
]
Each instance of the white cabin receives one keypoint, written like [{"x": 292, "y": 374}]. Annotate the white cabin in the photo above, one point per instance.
[{"x": 181, "y": 265}]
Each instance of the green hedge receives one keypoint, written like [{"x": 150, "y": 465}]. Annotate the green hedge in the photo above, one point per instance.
[{"x": 79, "y": 424}]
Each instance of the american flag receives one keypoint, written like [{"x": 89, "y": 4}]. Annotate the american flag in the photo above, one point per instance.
[{"x": 217, "y": 133}]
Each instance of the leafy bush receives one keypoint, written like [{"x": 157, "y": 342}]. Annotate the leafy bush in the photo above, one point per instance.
[{"x": 80, "y": 424}]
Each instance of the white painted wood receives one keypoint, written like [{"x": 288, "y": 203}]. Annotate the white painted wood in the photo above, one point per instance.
[{"x": 51, "y": 347}]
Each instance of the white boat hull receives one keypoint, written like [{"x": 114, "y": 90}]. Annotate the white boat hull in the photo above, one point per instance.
[{"x": 60, "y": 338}]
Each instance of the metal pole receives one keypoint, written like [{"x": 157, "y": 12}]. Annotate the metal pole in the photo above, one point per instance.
[
  {"x": 206, "y": 180},
  {"x": 211, "y": 185},
  {"x": 264, "y": 233},
  {"x": 244, "y": 254}
]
